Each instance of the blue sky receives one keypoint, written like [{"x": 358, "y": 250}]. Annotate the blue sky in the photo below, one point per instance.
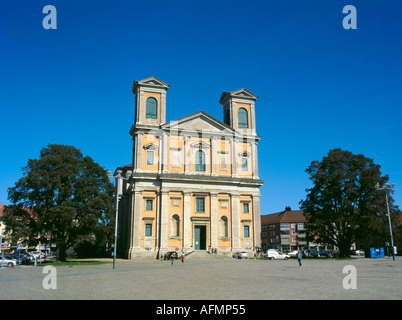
[{"x": 319, "y": 86}]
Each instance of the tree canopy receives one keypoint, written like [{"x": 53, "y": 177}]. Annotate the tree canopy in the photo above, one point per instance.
[
  {"x": 62, "y": 194},
  {"x": 343, "y": 205}
]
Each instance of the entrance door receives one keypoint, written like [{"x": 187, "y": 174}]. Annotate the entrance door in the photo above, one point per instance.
[{"x": 200, "y": 238}]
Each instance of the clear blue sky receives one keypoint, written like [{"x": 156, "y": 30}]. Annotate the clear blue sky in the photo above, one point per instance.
[{"x": 319, "y": 86}]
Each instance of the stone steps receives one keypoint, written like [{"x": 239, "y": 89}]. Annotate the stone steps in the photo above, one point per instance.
[{"x": 202, "y": 254}]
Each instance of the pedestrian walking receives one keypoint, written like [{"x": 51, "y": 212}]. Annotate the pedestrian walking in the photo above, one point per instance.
[
  {"x": 183, "y": 257},
  {"x": 299, "y": 258},
  {"x": 172, "y": 256}
]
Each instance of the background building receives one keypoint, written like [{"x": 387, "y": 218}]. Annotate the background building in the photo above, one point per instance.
[
  {"x": 284, "y": 230},
  {"x": 194, "y": 181}
]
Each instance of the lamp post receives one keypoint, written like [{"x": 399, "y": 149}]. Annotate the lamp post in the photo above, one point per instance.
[
  {"x": 388, "y": 188},
  {"x": 118, "y": 178}
]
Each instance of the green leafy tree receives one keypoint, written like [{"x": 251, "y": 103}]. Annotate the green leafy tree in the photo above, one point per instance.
[
  {"x": 343, "y": 206},
  {"x": 62, "y": 194}
]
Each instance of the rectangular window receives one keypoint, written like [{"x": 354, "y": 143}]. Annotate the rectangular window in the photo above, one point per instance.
[
  {"x": 244, "y": 165},
  {"x": 148, "y": 230},
  {"x": 199, "y": 160},
  {"x": 199, "y": 204},
  {"x": 246, "y": 231},
  {"x": 148, "y": 204},
  {"x": 245, "y": 207},
  {"x": 150, "y": 158}
]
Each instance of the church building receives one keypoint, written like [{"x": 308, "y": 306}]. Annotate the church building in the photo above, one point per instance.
[{"x": 193, "y": 182}]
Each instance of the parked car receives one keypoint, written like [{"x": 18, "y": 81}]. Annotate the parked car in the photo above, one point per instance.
[
  {"x": 10, "y": 256},
  {"x": 38, "y": 254},
  {"x": 22, "y": 257},
  {"x": 4, "y": 262},
  {"x": 277, "y": 255},
  {"x": 240, "y": 255},
  {"x": 311, "y": 254},
  {"x": 168, "y": 255},
  {"x": 360, "y": 252},
  {"x": 324, "y": 254},
  {"x": 293, "y": 253}
]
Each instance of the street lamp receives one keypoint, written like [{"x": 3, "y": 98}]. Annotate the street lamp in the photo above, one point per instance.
[
  {"x": 118, "y": 178},
  {"x": 388, "y": 188}
]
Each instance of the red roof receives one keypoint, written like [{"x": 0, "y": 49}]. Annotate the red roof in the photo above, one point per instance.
[{"x": 288, "y": 216}]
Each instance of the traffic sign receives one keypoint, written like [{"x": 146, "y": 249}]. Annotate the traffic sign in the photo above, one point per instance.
[{"x": 19, "y": 246}]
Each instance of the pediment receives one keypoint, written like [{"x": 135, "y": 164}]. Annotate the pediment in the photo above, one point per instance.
[
  {"x": 152, "y": 82},
  {"x": 199, "y": 121},
  {"x": 240, "y": 94}
]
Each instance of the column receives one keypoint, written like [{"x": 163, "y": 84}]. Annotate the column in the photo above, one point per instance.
[
  {"x": 234, "y": 156},
  {"x": 136, "y": 239},
  {"x": 163, "y": 108},
  {"x": 141, "y": 107},
  {"x": 164, "y": 220},
  {"x": 187, "y": 222},
  {"x": 213, "y": 155},
  {"x": 235, "y": 206},
  {"x": 186, "y": 154},
  {"x": 257, "y": 220},
  {"x": 252, "y": 116},
  {"x": 254, "y": 155},
  {"x": 214, "y": 219},
  {"x": 138, "y": 152},
  {"x": 165, "y": 150}
]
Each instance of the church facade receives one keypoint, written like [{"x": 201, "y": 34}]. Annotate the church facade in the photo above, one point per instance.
[{"x": 193, "y": 182}]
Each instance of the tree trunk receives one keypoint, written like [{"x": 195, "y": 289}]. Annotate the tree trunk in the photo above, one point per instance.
[
  {"x": 61, "y": 254},
  {"x": 344, "y": 249}
]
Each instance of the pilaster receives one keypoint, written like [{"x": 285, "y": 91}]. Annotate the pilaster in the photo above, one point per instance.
[
  {"x": 214, "y": 219},
  {"x": 186, "y": 219},
  {"x": 164, "y": 220},
  {"x": 235, "y": 205},
  {"x": 257, "y": 220}
]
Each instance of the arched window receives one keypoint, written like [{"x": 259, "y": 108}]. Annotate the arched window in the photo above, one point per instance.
[
  {"x": 242, "y": 116},
  {"x": 199, "y": 160},
  {"x": 151, "y": 108},
  {"x": 175, "y": 226},
  {"x": 223, "y": 227}
]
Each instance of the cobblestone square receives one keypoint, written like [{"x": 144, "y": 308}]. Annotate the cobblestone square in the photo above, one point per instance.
[{"x": 209, "y": 279}]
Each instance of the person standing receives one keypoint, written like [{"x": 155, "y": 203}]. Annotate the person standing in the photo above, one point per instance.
[
  {"x": 183, "y": 257},
  {"x": 299, "y": 258}
]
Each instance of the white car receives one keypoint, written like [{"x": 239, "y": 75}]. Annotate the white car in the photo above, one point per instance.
[
  {"x": 241, "y": 255},
  {"x": 38, "y": 254},
  {"x": 277, "y": 255},
  {"x": 7, "y": 262},
  {"x": 293, "y": 253}
]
